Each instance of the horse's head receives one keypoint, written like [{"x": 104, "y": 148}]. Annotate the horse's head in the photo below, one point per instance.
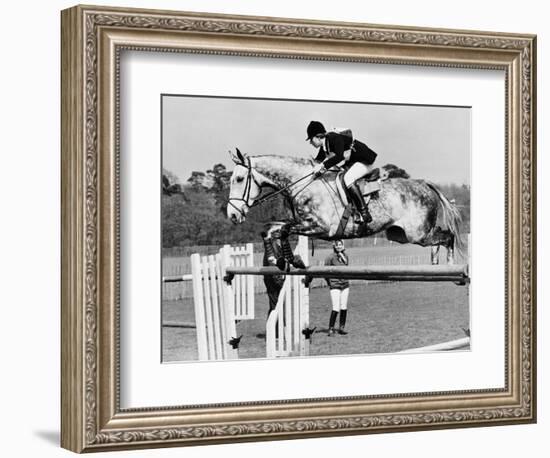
[{"x": 244, "y": 187}]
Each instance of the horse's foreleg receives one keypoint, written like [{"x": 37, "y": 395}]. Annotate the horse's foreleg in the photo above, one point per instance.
[
  {"x": 268, "y": 248},
  {"x": 434, "y": 255},
  {"x": 450, "y": 245},
  {"x": 294, "y": 259},
  {"x": 270, "y": 237},
  {"x": 450, "y": 255}
]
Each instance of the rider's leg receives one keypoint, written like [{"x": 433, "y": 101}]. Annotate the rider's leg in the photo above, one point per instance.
[{"x": 355, "y": 172}]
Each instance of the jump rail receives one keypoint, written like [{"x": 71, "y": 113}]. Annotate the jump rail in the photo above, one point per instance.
[
  {"x": 444, "y": 346},
  {"x": 455, "y": 273}
]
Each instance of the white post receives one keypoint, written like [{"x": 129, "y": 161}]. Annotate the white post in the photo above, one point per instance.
[
  {"x": 198, "y": 300},
  {"x": 275, "y": 321},
  {"x": 221, "y": 305},
  {"x": 296, "y": 317},
  {"x": 237, "y": 281},
  {"x": 304, "y": 298},
  {"x": 208, "y": 309},
  {"x": 228, "y": 305},
  {"x": 250, "y": 282},
  {"x": 216, "y": 318},
  {"x": 287, "y": 320}
]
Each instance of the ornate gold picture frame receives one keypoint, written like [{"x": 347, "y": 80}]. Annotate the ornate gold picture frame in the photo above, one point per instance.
[{"x": 93, "y": 39}]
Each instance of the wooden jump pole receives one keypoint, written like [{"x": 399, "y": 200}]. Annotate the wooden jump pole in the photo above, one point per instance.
[
  {"x": 177, "y": 278},
  {"x": 455, "y": 273},
  {"x": 444, "y": 346}
]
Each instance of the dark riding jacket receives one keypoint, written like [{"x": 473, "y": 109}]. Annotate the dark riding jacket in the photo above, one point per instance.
[
  {"x": 337, "y": 144},
  {"x": 337, "y": 259}
]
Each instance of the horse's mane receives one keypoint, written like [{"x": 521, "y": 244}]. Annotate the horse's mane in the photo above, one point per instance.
[
  {"x": 294, "y": 159},
  {"x": 392, "y": 170}
]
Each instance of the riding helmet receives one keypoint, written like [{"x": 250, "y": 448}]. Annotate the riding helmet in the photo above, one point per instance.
[{"x": 315, "y": 128}]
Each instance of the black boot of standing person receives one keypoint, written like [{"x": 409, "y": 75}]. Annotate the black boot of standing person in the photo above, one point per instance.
[
  {"x": 332, "y": 322},
  {"x": 343, "y": 316}
]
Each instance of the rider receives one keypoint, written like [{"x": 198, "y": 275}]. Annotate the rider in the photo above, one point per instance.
[{"x": 336, "y": 147}]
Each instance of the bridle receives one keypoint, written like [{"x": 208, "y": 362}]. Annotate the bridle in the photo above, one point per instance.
[{"x": 247, "y": 188}]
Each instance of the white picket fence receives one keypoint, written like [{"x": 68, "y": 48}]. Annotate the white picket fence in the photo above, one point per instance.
[
  {"x": 243, "y": 285},
  {"x": 214, "y": 311},
  {"x": 219, "y": 304}
]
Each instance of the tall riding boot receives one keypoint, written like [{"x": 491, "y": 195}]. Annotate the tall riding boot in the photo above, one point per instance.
[
  {"x": 293, "y": 259},
  {"x": 355, "y": 193},
  {"x": 331, "y": 322},
  {"x": 343, "y": 316}
]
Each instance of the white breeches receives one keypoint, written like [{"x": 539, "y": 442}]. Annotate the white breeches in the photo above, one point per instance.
[
  {"x": 339, "y": 299},
  {"x": 356, "y": 171}
]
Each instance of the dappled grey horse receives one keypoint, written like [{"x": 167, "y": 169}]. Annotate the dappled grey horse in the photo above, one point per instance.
[{"x": 405, "y": 209}]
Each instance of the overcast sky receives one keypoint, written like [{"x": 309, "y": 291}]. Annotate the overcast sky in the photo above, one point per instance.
[{"x": 429, "y": 142}]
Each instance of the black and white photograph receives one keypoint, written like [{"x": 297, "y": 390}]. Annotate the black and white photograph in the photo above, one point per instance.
[{"x": 313, "y": 228}]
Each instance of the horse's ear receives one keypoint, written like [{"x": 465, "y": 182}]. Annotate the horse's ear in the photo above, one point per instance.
[
  {"x": 240, "y": 156},
  {"x": 234, "y": 157}
]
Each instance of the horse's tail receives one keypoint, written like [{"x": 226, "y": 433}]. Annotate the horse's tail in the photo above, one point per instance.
[{"x": 451, "y": 217}]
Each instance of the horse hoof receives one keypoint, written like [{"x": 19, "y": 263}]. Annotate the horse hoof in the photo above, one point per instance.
[
  {"x": 298, "y": 262},
  {"x": 281, "y": 264}
]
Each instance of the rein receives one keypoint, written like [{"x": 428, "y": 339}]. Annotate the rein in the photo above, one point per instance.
[
  {"x": 248, "y": 185},
  {"x": 274, "y": 193}
]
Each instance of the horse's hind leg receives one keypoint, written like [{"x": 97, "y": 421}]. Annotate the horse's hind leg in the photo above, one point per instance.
[
  {"x": 439, "y": 237},
  {"x": 434, "y": 255},
  {"x": 450, "y": 245},
  {"x": 442, "y": 237}
]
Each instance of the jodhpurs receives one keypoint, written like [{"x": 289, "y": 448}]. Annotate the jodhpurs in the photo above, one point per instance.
[
  {"x": 356, "y": 171},
  {"x": 339, "y": 299}
]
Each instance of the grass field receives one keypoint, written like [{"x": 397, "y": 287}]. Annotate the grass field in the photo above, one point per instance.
[{"x": 382, "y": 318}]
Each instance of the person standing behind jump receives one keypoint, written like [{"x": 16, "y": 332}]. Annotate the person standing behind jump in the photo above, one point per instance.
[{"x": 339, "y": 289}]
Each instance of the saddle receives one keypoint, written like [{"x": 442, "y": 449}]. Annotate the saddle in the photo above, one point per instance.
[{"x": 368, "y": 188}]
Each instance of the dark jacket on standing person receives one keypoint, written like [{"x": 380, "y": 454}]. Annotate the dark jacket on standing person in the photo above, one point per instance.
[
  {"x": 337, "y": 144},
  {"x": 337, "y": 259}
]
